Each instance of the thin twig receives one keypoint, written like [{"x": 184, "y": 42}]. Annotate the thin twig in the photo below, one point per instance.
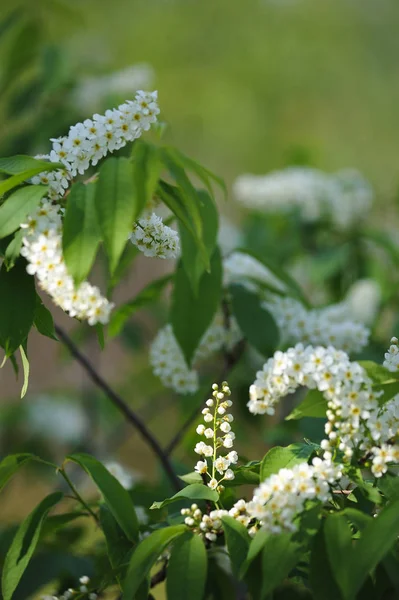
[
  {"x": 127, "y": 412},
  {"x": 77, "y": 496},
  {"x": 160, "y": 576}
]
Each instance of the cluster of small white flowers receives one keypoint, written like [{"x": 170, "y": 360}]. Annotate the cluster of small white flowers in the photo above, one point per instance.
[
  {"x": 168, "y": 362},
  {"x": 332, "y": 325},
  {"x": 391, "y": 357},
  {"x": 81, "y": 592},
  {"x": 154, "y": 239},
  {"x": 279, "y": 499},
  {"x": 57, "y": 419},
  {"x": 355, "y": 420},
  {"x": 42, "y": 248},
  {"x": 210, "y": 526},
  {"x": 85, "y": 144},
  {"x": 343, "y": 197},
  {"x": 221, "y": 436},
  {"x": 91, "y": 92},
  {"x": 240, "y": 267},
  {"x": 125, "y": 477}
]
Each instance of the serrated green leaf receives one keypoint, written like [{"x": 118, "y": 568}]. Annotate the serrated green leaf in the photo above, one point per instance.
[
  {"x": 146, "y": 554},
  {"x": 24, "y": 544},
  {"x": 116, "y": 206},
  {"x": 284, "y": 458},
  {"x": 147, "y": 295},
  {"x": 115, "y": 496},
  {"x": 313, "y": 405},
  {"x": 10, "y": 465},
  {"x": 18, "y": 206},
  {"x": 192, "y": 315},
  {"x": 43, "y": 320},
  {"x": 237, "y": 540},
  {"x": 187, "y": 568},
  {"x": 195, "y": 491},
  {"x": 147, "y": 168},
  {"x": 17, "y": 306},
  {"x": 81, "y": 234}
]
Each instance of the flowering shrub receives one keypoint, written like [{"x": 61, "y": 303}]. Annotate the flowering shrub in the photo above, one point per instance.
[{"x": 316, "y": 519}]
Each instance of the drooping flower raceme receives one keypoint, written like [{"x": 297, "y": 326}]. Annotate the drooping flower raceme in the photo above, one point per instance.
[
  {"x": 282, "y": 497},
  {"x": 85, "y": 144},
  {"x": 344, "y": 197},
  {"x": 82, "y": 591},
  {"x": 155, "y": 239},
  {"x": 355, "y": 420},
  {"x": 219, "y": 439},
  {"x": 210, "y": 526}
]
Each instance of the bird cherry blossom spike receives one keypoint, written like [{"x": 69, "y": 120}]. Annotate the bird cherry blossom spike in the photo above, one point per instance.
[
  {"x": 355, "y": 419},
  {"x": 84, "y": 146}
]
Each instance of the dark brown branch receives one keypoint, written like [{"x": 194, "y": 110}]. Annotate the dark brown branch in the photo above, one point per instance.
[
  {"x": 124, "y": 408},
  {"x": 160, "y": 576}
]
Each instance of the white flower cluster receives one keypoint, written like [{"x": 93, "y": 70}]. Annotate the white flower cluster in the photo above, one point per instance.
[
  {"x": 209, "y": 527},
  {"x": 81, "y": 592},
  {"x": 169, "y": 364},
  {"x": 42, "y": 248},
  {"x": 344, "y": 197},
  {"x": 356, "y": 422},
  {"x": 125, "y": 477},
  {"x": 279, "y": 499},
  {"x": 85, "y": 144},
  {"x": 217, "y": 428},
  {"x": 154, "y": 239},
  {"x": 391, "y": 357},
  {"x": 91, "y": 92},
  {"x": 59, "y": 420},
  {"x": 332, "y": 325}
]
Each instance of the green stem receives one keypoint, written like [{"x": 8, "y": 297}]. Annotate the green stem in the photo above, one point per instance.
[{"x": 77, "y": 495}]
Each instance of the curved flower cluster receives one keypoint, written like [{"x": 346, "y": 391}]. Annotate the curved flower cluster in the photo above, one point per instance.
[
  {"x": 279, "y": 500},
  {"x": 153, "y": 238},
  {"x": 42, "y": 248},
  {"x": 356, "y": 421},
  {"x": 343, "y": 197},
  {"x": 332, "y": 325},
  {"x": 209, "y": 527},
  {"x": 85, "y": 144},
  {"x": 81, "y": 592},
  {"x": 169, "y": 364},
  {"x": 218, "y": 430}
]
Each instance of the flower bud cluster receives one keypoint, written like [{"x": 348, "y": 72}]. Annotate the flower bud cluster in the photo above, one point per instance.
[
  {"x": 391, "y": 356},
  {"x": 154, "y": 239},
  {"x": 355, "y": 420},
  {"x": 85, "y": 144},
  {"x": 82, "y": 592},
  {"x": 210, "y": 526},
  {"x": 217, "y": 429},
  {"x": 281, "y": 498}
]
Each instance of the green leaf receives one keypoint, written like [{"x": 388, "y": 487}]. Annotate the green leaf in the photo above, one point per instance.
[
  {"x": 24, "y": 544},
  {"x": 187, "y": 568},
  {"x": 313, "y": 405},
  {"x": 115, "y": 496},
  {"x": 81, "y": 234},
  {"x": 323, "y": 584},
  {"x": 10, "y": 465},
  {"x": 192, "y": 315},
  {"x": 237, "y": 540},
  {"x": 192, "y": 477},
  {"x": 128, "y": 255},
  {"x": 255, "y": 547},
  {"x": 256, "y": 323},
  {"x": 389, "y": 389},
  {"x": 376, "y": 540},
  {"x": 279, "y": 556},
  {"x": 13, "y": 249},
  {"x": 18, "y": 206},
  {"x": 204, "y": 174},
  {"x": 284, "y": 458},
  {"x": 338, "y": 539},
  {"x": 192, "y": 256},
  {"x": 149, "y": 294},
  {"x": 146, "y": 554},
  {"x": 146, "y": 171},
  {"x": 376, "y": 372},
  {"x": 116, "y": 206},
  {"x": 389, "y": 485},
  {"x": 245, "y": 475},
  {"x": 43, "y": 320},
  {"x": 25, "y": 367},
  {"x": 17, "y": 306},
  {"x": 118, "y": 545},
  {"x": 195, "y": 491},
  {"x": 23, "y": 168}
]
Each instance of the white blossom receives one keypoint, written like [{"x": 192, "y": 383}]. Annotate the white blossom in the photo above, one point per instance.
[{"x": 155, "y": 239}]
